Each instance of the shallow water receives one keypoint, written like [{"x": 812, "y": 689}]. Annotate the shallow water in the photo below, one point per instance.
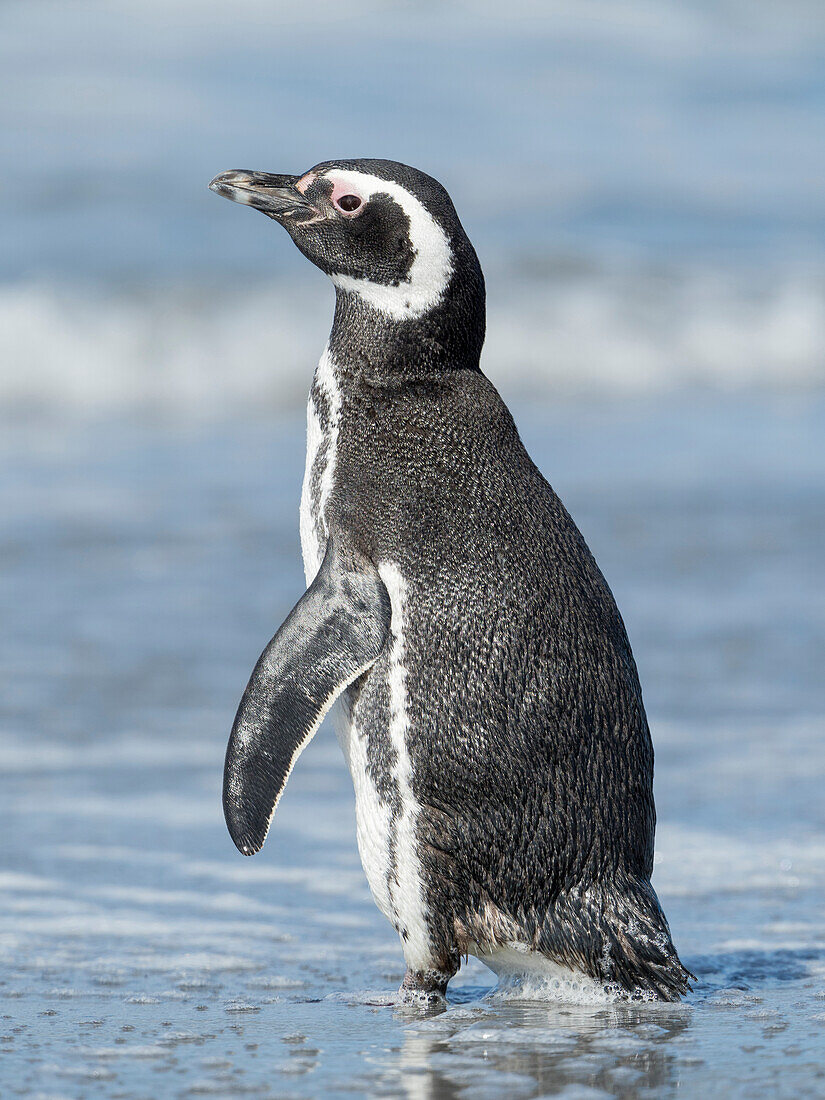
[{"x": 143, "y": 568}]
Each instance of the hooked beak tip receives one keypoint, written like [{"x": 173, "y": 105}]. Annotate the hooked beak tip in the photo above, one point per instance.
[
  {"x": 237, "y": 186},
  {"x": 273, "y": 195}
]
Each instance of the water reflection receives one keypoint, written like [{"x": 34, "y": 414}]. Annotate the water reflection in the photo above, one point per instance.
[{"x": 526, "y": 1050}]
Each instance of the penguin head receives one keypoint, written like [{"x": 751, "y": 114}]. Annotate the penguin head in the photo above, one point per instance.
[{"x": 385, "y": 233}]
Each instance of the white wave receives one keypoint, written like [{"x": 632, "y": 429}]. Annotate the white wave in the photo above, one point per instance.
[
  {"x": 176, "y": 350},
  {"x": 609, "y": 332},
  {"x": 197, "y": 353}
]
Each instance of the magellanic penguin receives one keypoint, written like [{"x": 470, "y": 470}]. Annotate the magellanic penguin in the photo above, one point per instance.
[{"x": 489, "y": 706}]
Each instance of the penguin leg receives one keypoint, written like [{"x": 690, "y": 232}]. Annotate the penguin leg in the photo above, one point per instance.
[
  {"x": 424, "y": 987},
  {"x": 334, "y": 634},
  {"x": 429, "y": 986}
]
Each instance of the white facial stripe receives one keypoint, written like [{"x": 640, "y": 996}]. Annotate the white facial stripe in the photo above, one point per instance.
[{"x": 432, "y": 266}]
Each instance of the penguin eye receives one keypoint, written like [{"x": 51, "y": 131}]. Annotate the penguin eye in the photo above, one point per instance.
[{"x": 348, "y": 203}]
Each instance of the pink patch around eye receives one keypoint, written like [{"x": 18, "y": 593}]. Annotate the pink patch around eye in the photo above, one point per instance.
[
  {"x": 340, "y": 189},
  {"x": 304, "y": 182}
]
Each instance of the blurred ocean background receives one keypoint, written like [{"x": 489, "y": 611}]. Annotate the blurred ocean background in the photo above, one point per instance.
[
  {"x": 645, "y": 185},
  {"x": 643, "y": 182}
]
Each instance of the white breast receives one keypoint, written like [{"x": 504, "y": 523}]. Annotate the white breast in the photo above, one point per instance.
[
  {"x": 398, "y": 896},
  {"x": 405, "y": 888},
  {"x": 319, "y": 474},
  {"x": 372, "y": 814}
]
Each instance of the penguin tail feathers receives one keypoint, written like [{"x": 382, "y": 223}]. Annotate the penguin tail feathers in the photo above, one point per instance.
[
  {"x": 638, "y": 953},
  {"x": 618, "y": 934}
]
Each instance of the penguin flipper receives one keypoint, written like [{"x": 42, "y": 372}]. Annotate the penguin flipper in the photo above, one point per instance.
[{"x": 333, "y": 635}]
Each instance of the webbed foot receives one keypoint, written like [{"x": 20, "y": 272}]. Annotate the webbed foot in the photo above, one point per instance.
[{"x": 424, "y": 987}]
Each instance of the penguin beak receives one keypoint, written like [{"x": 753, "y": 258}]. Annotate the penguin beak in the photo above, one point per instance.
[{"x": 275, "y": 196}]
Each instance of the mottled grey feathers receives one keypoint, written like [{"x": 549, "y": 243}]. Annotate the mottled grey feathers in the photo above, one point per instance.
[{"x": 530, "y": 758}]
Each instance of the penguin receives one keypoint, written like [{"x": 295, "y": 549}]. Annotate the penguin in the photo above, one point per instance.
[{"x": 487, "y": 700}]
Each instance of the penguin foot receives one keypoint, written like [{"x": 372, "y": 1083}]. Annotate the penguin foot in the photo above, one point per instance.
[{"x": 426, "y": 988}]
